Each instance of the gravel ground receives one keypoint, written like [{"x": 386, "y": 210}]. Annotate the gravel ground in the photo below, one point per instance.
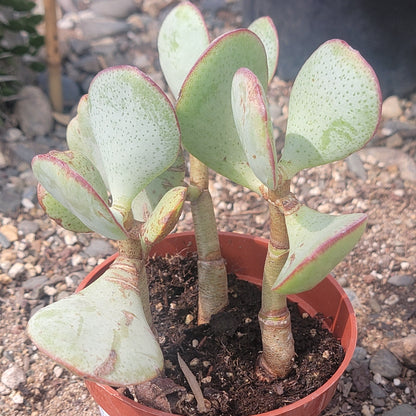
[{"x": 41, "y": 263}]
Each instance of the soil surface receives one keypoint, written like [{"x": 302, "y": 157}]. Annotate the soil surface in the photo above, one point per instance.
[{"x": 41, "y": 263}]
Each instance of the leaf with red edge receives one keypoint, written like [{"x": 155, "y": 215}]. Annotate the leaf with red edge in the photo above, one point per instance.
[
  {"x": 56, "y": 211},
  {"x": 334, "y": 108},
  {"x": 204, "y": 105},
  {"x": 76, "y": 184},
  {"x": 318, "y": 242},
  {"x": 183, "y": 37},
  {"x": 253, "y": 123},
  {"x": 265, "y": 29}
]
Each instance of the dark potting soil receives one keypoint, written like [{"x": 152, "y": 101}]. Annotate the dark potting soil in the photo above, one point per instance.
[{"x": 222, "y": 354}]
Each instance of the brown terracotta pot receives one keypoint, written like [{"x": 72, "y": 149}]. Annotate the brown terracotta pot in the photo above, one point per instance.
[{"x": 245, "y": 257}]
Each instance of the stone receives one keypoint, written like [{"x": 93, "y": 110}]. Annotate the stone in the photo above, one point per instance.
[
  {"x": 401, "y": 410},
  {"x": 391, "y": 157},
  {"x": 13, "y": 377},
  {"x": 355, "y": 165},
  {"x": 119, "y": 9},
  {"x": 405, "y": 350},
  {"x": 34, "y": 283},
  {"x": 4, "y": 241},
  {"x": 361, "y": 377},
  {"x": 377, "y": 391},
  {"x": 401, "y": 280},
  {"x": 10, "y": 232},
  {"x": 394, "y": 141},
  {"x": 99, "y": 248},
  {"x": 386, "y": 364},
  {"x": 13, "y": 135},
  {"x": 33, "y": 112},
  {"x": 391, "y": 107},
  {"x": 89, "y": 63},
  {"x": 16, "y": 270},
  {"x": 9, "y": 202},
  {"x": 70, "y": 90},
  {"x": 153, "y": 7},
  {"x": 94, "y": 27},
  {"x": 27, "y": 227}
]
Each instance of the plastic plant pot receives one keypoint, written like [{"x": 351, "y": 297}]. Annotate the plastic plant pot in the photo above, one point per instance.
[{"x": 245, "y": 256}]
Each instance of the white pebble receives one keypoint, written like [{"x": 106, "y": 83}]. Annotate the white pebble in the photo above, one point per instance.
[
  {"x": 17, "y": 398},
  {"x": 58, "y": 371},
  {"x": 397, "y": 382},
  {"x": 16, "y": 270},
  {"x": 50, "y": 290}
]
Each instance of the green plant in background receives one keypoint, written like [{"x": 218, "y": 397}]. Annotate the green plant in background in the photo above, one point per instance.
[
  {"x": 123, "y": 178},
  {"x": 19, "y": 42}
]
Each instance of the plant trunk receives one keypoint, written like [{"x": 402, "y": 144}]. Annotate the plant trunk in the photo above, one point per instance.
[
  {"x": 131, "y": 260},
  {"x": 212, "y": 274},
  {"x": 278, "y": 353}
]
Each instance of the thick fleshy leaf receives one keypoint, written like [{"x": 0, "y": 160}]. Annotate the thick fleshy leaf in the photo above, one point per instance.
[
  {"x": 334, "y": 108},
  {"x": 254, "y": 127},
  {"x": 164, "y": 217},
  {"x": 74, "y": 182},
  {"x": 146, "y": 201},
  {"x": 100, "y": 333},
  {"x": 59, "y": 213},
  {"x": 265, "y": 29},
  {"x": 136, "y": 130},
  {"x": 80, "y": 138},
  {"x": 204, "y": 106},
  {"x": 183, "y": 36},
  {"x": 318, "y": 242}
]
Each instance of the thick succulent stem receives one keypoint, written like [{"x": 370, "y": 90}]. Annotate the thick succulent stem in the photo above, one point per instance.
[
  {"x": 212, "y": 274},
  {"x": 132, "y": 261},
  {"x": 278, "y": 347}
]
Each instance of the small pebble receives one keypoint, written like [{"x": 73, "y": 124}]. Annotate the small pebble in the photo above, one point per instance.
[
  {"x": 189, "y": 318},
  {"x": 57, "y": 371},
  {"x": 13, "y": 377}
]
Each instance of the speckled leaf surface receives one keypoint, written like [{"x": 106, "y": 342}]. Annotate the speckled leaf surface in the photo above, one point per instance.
[
  {"x": 147, "y": 200},
  {"x": 318, "y": 242},
  {"x": 204, "y": 106},
  {"x": 100, "y": 333},
  {"x": 80, "y": 137},
  {"x": 59, "y": 213},
  {"x": 74, "y": 182},
  {"x": 183, "y": 36},
  {"x": 254, "y": 127},
  {"x": 135, "y": 127},
  {"x": 165, "y": 216},
  {"x": 265, "y": 29},
  {"x": 334, "y": 108}
]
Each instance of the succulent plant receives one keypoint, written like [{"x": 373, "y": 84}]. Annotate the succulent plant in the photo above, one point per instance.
[
  {"x": 123, "y": 177},
  {"x": 225, "y": 122}
]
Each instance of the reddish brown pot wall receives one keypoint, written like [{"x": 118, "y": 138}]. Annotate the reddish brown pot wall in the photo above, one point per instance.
[{"x": 245, "y": 257}]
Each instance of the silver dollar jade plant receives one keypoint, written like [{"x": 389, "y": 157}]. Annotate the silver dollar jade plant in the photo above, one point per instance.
[{"x": 123, "y": 177}]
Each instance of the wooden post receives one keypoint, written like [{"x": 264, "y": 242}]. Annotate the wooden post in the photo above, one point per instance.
[{"x": 53, "y": 56}]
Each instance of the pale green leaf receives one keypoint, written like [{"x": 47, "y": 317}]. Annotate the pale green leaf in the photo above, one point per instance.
[
  {"x": 164, "y": 217},
  {"x": 334, "y": 108},
  {"x": 59, "y": 213},
  {"x": 204, "y": 106},
  {"x": 318, "y": 242},
  {"x": 100, "y": 333},
  {"x": 136, "y": 130},
  {"x": 74, "y": 182},
  {"x": 146, "y": 201},
  {"x": 265, "y": 29},
  {"x": 80, "y": 138},
  {"x": 254, "y": 127},
  {"x": 183, "y": 36}
]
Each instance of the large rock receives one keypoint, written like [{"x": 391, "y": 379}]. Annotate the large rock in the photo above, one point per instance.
[
  {"x": 34, "y": 112},
  {"x": 119, "y": 9},
  {"x": 386, "y": 364},
  {"x": 405, "y": 350},
  {"x": 96, "y": 27},
  {"x": 382, "y": 30}
]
